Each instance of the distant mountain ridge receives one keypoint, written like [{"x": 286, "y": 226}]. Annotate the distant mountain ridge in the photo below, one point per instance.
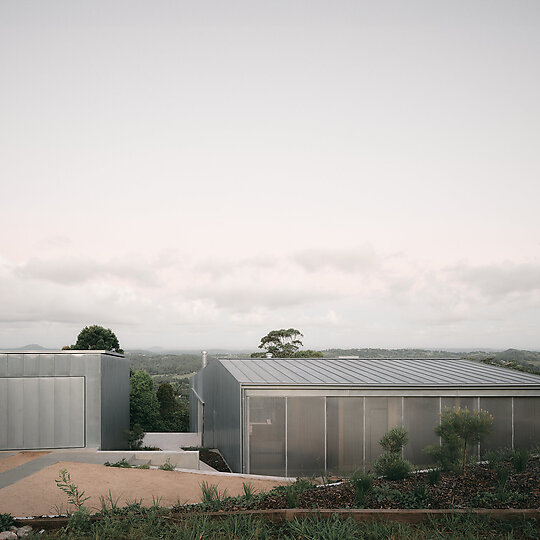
[
  {"x": 519, "y": 356},
  {"x": 31, "y": 347}
]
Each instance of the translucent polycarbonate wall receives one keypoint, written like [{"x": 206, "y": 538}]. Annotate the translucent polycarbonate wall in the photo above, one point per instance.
[
  {"x": 526, "y": 422},
  {"x": 310, "y": 435},
  {"x": 501, "y": 410},
  {"x": 382, "y": 414},
  {"x": 267, "y": 435},
  {"x": 345, "y": 433},
  {"x": 420, "y": 416},
  {"x": 306, "y": 437},
  {"x": 470, "y": 403}
]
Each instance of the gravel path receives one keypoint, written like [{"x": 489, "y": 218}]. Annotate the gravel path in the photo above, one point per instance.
[{"x": 37, "y": 494}]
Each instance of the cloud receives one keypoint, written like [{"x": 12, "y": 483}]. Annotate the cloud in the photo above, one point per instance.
[
  {"x": 218, "y": 268},
  {"x": 363, "y": 260},
  {"x": 246, "y": 297},
  {"x": 383, "y": 296},
  {"x": 498, "y": 281},
  {"x": 76, "y": 270}
]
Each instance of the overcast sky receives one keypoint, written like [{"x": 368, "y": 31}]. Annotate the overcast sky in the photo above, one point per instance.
[{"x": 195, "y": 174}]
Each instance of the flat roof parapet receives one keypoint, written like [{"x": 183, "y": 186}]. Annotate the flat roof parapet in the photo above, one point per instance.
[{"x": 59, "y": 351}]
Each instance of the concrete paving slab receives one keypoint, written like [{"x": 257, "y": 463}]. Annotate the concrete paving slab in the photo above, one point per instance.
[{"x": 14, "y": 459}]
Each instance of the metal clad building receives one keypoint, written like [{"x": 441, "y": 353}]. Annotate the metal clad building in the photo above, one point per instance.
[
  {"x": 297, "y": 417},
  {"x": 63, "y": 399}
]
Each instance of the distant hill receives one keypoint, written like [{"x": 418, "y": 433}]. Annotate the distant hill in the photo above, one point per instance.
[
  {"x": 160, "y": 364},
  {"x": 391, "y": 353},
  {"x": 31, "y": 347},
  {"x": 510, "y": 358},
  {"x": 162, "y": 350}
]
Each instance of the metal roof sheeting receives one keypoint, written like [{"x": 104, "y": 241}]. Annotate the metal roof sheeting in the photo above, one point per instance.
[{"x": 374, "y": 372}]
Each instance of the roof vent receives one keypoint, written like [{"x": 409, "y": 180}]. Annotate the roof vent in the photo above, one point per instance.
[{"x": 268, "y": 355}]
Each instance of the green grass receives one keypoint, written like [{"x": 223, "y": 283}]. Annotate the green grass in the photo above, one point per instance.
[{"x": 141, "y": 523}]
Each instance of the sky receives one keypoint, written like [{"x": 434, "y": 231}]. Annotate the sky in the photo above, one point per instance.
[{"x": 196, "y": 174}]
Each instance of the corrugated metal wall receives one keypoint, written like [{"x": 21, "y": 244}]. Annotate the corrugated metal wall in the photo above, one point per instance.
[
  {"x": 54, "y": 400},
  {"x": 41, "y": 412},
  {"x": 305, "y": 431},
  {"x": 220, "y": 392},
  {"x": 114, "y": 402}
]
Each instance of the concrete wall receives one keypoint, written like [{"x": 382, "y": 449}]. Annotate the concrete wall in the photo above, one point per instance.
[
  {"x": 171, "y": 441},
  {"x": 179, "y": 458}
]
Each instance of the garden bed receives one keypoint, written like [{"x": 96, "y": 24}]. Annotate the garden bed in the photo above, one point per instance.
[
  {"x": 478, "y": 487},
  {"x": 212, "y": 458},
  {"x": 295, "y": 524}
]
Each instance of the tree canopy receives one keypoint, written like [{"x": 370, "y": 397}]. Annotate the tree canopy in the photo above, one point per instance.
[
  {"x": 284, "y": 343},
  {"x": 143, "y": 402},
  {"x": 96, "y": 338}
]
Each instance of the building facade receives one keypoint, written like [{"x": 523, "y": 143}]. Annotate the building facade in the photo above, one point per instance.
[
  {"x": 301, "y": 417},
  {"x": 63, "y": 399}
]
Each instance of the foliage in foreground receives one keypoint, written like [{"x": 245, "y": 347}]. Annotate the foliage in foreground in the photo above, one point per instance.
[
  {"x": 157, "y": 523},
  {"x": 6, "y": 521},
  {"x": 362, "y": 484}
]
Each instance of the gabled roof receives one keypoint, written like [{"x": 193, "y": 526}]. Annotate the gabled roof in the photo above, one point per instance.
[{"x": 374, "y": 372}]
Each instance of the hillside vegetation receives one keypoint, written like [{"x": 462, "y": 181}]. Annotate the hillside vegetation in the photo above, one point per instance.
[{"x": 179, "y": 367}]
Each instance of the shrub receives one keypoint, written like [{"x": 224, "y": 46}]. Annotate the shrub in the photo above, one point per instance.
[
  {"x": 362, "y": 484},
  {"x": 249, "y": 491},
  {"x": 433, "y": 476},
  {"x": 79, "y": 522},
  {"x": 135, "y": 437},
  {"x": 294, "y": 490},
  {"x": 417, "y": 497},
  {"x": 494, "y": 458},
  {"x": 447, "y": 454},
  {"x": 75, "y": 497},
  {"x": 291, "y": 496},
  {"x": 519, "y": 459},
  {"x": 458, "y": 429},
  {"x": 393, "y": 441},
  {"x": 211, "y": 496},
  {"x": 168, "y": 466},
  {"x": 393, "y": 466},
  {"x": 502, "y": 478},
  {"x": 6, "y": 521},
  {"x": 122, "y": 464}
]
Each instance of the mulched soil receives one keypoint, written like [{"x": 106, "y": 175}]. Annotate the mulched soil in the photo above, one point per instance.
[
  {"x": 476, "y": 488},
  {"x": 214, "y": 459}
]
